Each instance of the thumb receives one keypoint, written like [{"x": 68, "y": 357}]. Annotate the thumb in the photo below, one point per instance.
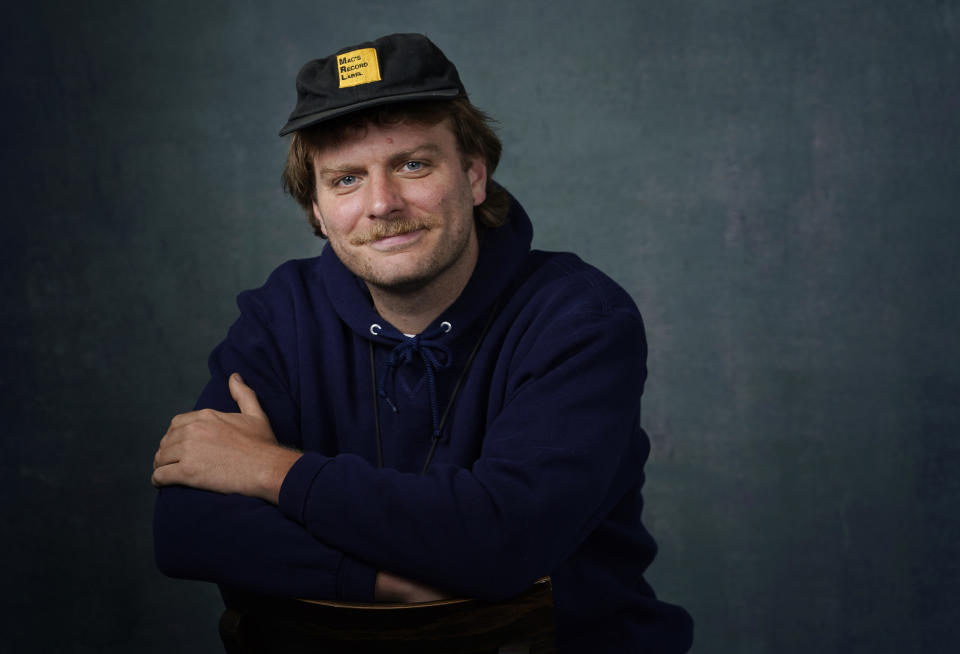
[{"x": 245, "y": 397}]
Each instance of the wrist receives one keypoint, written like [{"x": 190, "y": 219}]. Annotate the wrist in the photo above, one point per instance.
[{"x": 274, "y": 472}]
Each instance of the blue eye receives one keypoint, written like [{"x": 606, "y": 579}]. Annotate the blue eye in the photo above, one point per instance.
[
  {"x": 413, "y": 166},
  {"x": 347, "y": 180}
]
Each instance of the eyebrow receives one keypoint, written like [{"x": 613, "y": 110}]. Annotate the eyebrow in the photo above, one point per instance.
[{"x": 420, "y": 150}]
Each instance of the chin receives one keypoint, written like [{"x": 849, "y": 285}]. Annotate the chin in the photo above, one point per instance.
[{"x": 401, "y": 285}]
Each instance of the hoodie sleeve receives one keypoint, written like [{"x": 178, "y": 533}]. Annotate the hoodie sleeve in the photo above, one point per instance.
[
  {"x": 239, "y": 541},
  {"x": 562, "y": 449}
]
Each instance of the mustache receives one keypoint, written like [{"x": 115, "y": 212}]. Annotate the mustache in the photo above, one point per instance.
[{"x": 393, "y": 227}]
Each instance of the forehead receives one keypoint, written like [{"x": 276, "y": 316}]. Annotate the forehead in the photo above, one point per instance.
[{"x": 374, "y": 140}]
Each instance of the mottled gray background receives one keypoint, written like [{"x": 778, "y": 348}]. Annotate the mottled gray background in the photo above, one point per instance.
[{"x": 775, "y": 182}]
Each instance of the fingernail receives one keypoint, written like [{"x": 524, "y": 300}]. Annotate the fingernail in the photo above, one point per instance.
[{"x": 239, "y": 378}]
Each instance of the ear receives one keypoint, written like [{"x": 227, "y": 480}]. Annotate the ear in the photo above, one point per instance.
[
  {"x": 319, "y": 218},
  {"x": 477, "y": 176}
]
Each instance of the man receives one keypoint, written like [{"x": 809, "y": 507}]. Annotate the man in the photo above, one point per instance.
[{"x": 429, "y": 408}]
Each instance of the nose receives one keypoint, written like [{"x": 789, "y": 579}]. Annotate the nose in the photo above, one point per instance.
[{"x": 383, "y": 196}]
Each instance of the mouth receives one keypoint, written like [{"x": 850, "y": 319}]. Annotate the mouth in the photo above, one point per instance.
[{"x": 396, "y": 241}]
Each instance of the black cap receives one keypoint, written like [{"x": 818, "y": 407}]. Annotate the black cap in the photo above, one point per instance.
[{"x": 394, "y": 68}]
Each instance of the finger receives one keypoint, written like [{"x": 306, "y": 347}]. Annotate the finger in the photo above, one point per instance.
[
  {"x": 167, "y": 455},
  {"x": 182, "y": 419},
  {"x": 245, "y": 397},
  {"x": 165, "y": 476},
  {"x": 177, "y": 434}
]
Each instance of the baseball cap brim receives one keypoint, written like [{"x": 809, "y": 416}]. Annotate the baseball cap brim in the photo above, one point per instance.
[{"x": 305, "y": 121}]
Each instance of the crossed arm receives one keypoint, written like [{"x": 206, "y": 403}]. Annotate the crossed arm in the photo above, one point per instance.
[{"x": 238, "y": 453}]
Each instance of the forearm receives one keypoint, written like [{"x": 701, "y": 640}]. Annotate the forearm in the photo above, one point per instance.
[
  {"x": 487, "y": 534},
  {"x": 248, "y": 544}
]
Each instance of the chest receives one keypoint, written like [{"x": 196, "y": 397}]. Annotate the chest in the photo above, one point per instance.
[{"x": 358, "y": 404}]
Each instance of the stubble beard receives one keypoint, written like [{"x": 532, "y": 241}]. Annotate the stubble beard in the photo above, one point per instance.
[{"x": 440, "y": 260}]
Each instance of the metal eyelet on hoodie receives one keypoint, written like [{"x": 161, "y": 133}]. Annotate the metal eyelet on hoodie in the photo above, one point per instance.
[
  {"x": 446, "y": 327},
  {"x": 375, "y": 329}
]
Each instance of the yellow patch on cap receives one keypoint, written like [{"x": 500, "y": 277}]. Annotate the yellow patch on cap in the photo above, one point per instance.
[{"x": 358, "y": 67}]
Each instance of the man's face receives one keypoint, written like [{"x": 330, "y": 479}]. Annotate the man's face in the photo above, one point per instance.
[{"x": 397, "y": 204}]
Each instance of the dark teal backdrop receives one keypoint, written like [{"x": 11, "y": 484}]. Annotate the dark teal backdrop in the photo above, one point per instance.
[{"x": 775, "y": 182}]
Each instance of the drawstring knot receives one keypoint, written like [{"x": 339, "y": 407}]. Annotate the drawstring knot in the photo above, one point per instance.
[{"x": 435, "y": 356}]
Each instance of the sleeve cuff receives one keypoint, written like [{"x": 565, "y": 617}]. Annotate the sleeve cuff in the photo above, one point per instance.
[
  {"x": 296, "y": 486},
  {"x": 355, "y": 581}
]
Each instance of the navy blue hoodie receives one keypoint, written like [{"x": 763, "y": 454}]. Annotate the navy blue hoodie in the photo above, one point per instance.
[{"x": 536, "y": 470}]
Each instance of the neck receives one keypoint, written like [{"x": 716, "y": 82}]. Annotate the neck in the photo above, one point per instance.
[{"x": 411, "y": 311}]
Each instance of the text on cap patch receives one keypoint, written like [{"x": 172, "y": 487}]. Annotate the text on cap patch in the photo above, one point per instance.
[{"x": 358, "y": 67}]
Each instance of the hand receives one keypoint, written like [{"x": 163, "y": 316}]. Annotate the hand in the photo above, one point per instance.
[
  {"x": 224, "y": 452},
  {"x": 391, "y": 588}
]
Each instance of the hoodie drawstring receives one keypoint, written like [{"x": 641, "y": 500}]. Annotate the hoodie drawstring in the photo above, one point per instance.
[
  {"x": 404, "y": 352},
  {"x": 427, "y": 349}
]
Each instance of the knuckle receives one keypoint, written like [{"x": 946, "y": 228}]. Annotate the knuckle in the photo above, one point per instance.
[
  {"x": 195, "y": 430},
  {"x": 188, "y": 468}
]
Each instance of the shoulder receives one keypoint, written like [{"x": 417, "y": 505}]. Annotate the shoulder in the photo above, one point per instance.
[
  {"x": 564, "y": 284},
  {"x": 290, "y": 285},
  {"x": 293, "y": 275},
  {"x": 565, "y": 308}
]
